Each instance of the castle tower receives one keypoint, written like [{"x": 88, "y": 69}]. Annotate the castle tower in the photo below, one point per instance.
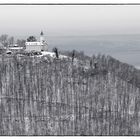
[
  {"x": 44, "y": 43},
  {"x": 42, "y": 37}
]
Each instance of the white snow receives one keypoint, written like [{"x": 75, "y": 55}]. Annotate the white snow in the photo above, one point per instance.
[
  {"x": 137, "y": 67},
  {"x": 52, "y": 54},
  {"x": 15, "y": 48}
]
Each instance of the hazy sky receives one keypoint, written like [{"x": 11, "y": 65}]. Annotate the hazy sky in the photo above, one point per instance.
[{"x": 69, "y": 20}]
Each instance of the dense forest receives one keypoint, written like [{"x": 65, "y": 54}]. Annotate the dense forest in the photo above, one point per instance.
[{"x": 83, "y": 95}]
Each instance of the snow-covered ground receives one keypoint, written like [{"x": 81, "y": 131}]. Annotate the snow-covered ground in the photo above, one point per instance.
[
  {"x": 15, "y": 48},
  {"x": 137, "y": 67},
  {"x": 52, "y": 54}
]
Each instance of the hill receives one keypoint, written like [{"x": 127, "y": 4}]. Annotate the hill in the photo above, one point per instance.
[{"x": 47, "y": 96}]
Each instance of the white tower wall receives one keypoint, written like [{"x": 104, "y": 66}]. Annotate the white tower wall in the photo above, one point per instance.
[{"x": 42, "y": 37}]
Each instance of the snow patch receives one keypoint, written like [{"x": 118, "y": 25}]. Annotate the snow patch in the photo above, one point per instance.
[
  {"x": 137, "y": 67},
  {"x": 52, "y": 54}
]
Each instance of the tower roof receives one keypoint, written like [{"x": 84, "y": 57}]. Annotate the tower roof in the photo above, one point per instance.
[{"x": 41, "y": 33}]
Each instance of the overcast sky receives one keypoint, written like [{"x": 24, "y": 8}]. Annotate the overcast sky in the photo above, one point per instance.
[{"x": 69, "y": 20}]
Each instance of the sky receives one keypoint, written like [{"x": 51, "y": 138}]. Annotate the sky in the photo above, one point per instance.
[{"x": 68, "y": 20}]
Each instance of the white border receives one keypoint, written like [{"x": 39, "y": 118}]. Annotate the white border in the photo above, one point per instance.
[
  {"x": 70, "y": 1},
  {"x": 67, "y": 2}
]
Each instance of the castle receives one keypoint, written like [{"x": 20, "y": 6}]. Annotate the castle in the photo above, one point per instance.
[{"x": 37, "y": 45}]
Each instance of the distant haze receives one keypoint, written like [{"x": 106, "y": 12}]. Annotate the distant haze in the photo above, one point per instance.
[
  {"x": 69, "y": 20},
  {"x": 110, "y": 30}
]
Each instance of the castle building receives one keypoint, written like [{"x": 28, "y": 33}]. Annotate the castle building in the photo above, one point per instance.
[{"x": 37, "y": 45}]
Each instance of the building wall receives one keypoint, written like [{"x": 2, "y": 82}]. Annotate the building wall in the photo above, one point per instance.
[
  {"x": 33, "y": 48},
  {"x": 45, "y": 47}
]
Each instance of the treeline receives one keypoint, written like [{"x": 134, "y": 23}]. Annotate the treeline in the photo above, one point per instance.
[
  {"x": 46, "y": 96},
  {"x": 8, "y": 41},
  {"x": 123, "y": 70}
]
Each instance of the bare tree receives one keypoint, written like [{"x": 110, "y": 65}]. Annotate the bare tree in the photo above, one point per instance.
[
  {"x": 21, "y": 42},
  {"x": 4, "y": 40},
  {"x": 11, "y": 41},
  {"x": 91, "y": 63},
  {"x": 56, "y": 52},
  {"x": 95, "y": 64},
  {"x": 73, "y": 55}
]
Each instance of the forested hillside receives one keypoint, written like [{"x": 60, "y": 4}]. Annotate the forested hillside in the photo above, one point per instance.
[{"x": 46, "y": 96}]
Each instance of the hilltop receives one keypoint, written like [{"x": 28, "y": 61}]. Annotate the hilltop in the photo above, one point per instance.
[{"x": 50, "y": 96}]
